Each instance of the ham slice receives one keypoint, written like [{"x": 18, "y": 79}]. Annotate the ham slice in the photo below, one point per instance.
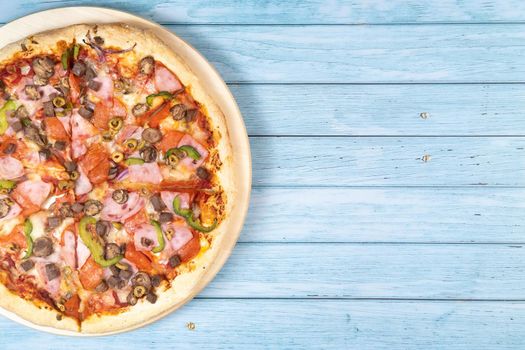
[
  {"x": 10, "y": 168},
  {"x": 105, "y": 92},
  {"x": 81, "y": 129},
  {"x": 82, "y": 186},
  {"x": 145, "y": 231},
  {"x": 33, "y": 105},
  {"x": 36, "y": 191},
  {"x": 68, "y": 251},
  {"x": 168, "y": 197},
  {"x": 83, "y": 253},
  {"x": 165, "y": 80},
  {"x": 147, "y": 173},
  {"x": 129, "y": 131},
  {"x": 189, "y": 162},
  {"x": 113, "y": 211},
  {"x": 181, "y": 237},
  {"x": 53, "y": 286}
]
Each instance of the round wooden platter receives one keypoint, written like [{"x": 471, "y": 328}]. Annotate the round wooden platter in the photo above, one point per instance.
[{"x": 216, "y": 88}]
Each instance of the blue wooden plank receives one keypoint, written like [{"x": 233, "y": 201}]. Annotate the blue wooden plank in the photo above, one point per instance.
[
  {"x": 365, "y": 110},
  {"x": 362, "y": 54},
  {"x": 388, "y": 161},
  {"x": 400, "y": 271},
  {"x": 310, "y": 324},
  {"x": 413, "y": 214},
  {"x": 296, "y": 11}
]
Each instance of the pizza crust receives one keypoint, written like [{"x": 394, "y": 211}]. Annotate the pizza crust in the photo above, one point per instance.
[{"x": 207, "y": 264}]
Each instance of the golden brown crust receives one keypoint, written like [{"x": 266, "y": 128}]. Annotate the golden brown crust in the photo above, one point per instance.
[{"x": 185, "y": 286}]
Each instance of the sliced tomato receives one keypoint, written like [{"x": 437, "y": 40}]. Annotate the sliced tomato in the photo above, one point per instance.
[
  {"x": 55, "y": 129},
  {"x": 170, "y": 139},
  {"x": 91, "y": 274},
  {"x": 99, "y": 174},
  {"x": 16, "y": 236}
]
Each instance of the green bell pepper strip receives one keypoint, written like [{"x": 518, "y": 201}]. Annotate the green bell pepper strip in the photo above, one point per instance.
[
  {"x": 187, "y": 149},
  {"x": 134, "y": 161},
  {"x": 93, "y": 243},
  {"x": 195, "y": 223},
  {"x": 10, "y": 105},
  {"x": 65, "y": 59},
  {"x": 166, "y": 95},
  {"x": 160, "y": 237},
  {"x": 188, "y": 215},
  {"x": 7, "y": 184},
  {"x": 28, "y": 228},
  {"x": 76, "y": 50}
]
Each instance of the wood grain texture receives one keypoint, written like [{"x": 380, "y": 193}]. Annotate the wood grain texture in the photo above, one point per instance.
[
  {"x": 366, "y": 110},
  {"x": 388, "y": 161},
  {"x": 362, "y": 54},
  {"x": 296, "y": 11},
  {"x": 405, "y": 271},
  {"x": 403, "y": 215},
  {"x": 306, "y": 324}
]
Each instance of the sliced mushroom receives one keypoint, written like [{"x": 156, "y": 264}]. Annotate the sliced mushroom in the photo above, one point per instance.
[
  {"x": 147, "y": 65},
  {"x": 44, "y": 67},
  {"x": 21, "y": 112},
  {"x": 125, "y": 274},
  {"x": 52, "y": 271},
  {"x": 32, "y": 92},
  {"x": 131, "y": 299},
  {"x": 92, "y": 207},
  {"x": 141, "y": 278},
  {"x": 124, "y": 85},
  {"x": 43, "y": 247},
  {"x": 111, "y": 250},
  {"x": 151, "y": 135},
  {"x": 102, "y": 228},
  {"x": 5, "y": 207},
  {"x": 120, "y": 196},
  {"x": 32, "y": 133},
  {"x": 139, "y": 109},
  {"x": 66, "y": 210},
  {"x": 149, "y": 154}
]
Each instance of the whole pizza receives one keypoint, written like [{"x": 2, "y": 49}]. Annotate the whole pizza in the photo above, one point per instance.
[{"x": 114, "y": 178}]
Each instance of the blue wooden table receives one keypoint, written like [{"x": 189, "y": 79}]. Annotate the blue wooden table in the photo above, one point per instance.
[{"x": 388, "y": 209}]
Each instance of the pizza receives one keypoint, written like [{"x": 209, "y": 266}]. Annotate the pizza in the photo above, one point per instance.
[{"x": 114, "y": 178}]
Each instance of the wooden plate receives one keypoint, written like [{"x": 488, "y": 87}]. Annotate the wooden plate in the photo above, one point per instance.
[{"x": 216, "y": 88}]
